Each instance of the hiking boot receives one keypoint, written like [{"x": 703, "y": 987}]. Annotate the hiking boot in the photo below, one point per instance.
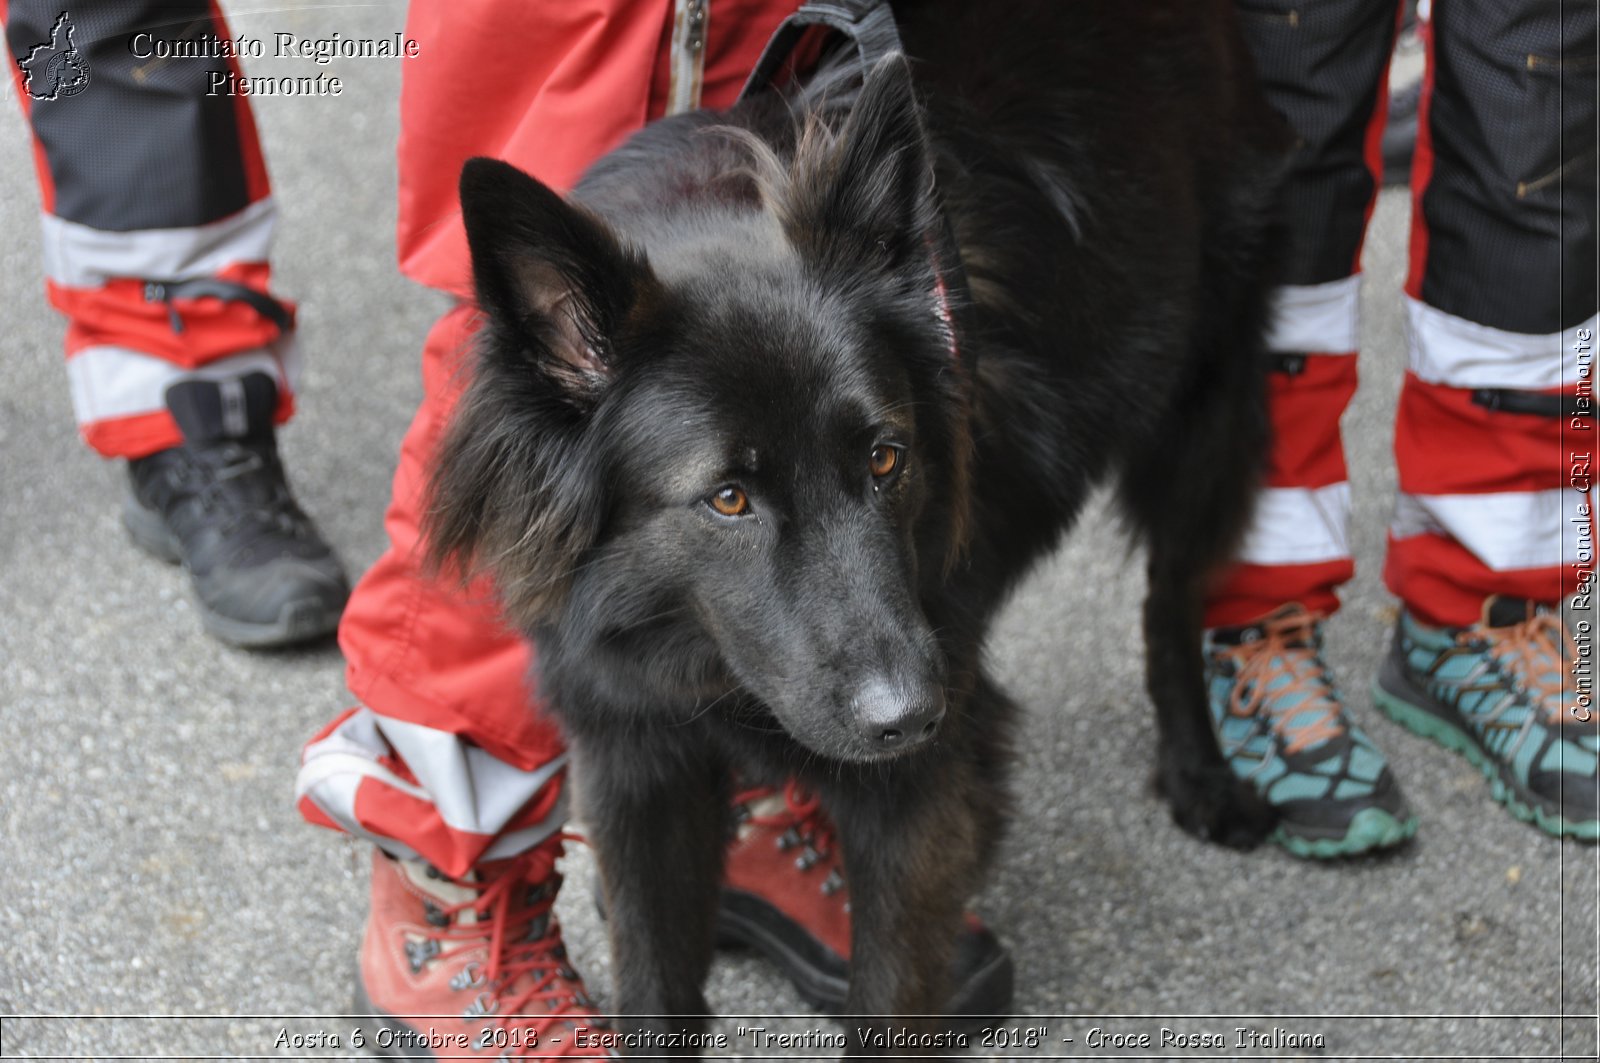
[
  {"x": 784, "y": 894},
  {"x": 219, "y": 504},
  {"x": 471, "y": 968},
  {"x": 1282, "y": 726},
  {"x": 1497, "y": 692}
]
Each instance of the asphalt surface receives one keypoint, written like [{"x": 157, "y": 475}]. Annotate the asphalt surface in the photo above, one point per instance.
[{"x": 152, "y": 864}]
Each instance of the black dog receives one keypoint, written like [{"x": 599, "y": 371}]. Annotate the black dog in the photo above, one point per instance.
[{"x": 756, "y": 473}]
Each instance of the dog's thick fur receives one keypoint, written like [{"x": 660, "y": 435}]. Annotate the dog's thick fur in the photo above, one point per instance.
[{"x": 749, "y": 301}]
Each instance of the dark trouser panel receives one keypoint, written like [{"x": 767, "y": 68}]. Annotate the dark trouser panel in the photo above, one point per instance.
[
  {"x": 1502, "y": 281},
  {"x": 157, "y": 215}
]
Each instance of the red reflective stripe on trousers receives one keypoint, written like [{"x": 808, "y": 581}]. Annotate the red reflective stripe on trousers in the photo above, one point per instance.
[
  {"x": 1421, "y": 167},
  {"x": 1305, "y": 409},
  {"x": 1249, "y": 592},
  {"x": 1444, "y": 584},
  {"x": 257, "y": 185},
  {"x": 1446, "y": 444},
  {"x": 1307, "y": 451},
  {"x": 117, "y": 314},
  {"x": 146, "y": 433},
  {"x": 390, "y": 813}
]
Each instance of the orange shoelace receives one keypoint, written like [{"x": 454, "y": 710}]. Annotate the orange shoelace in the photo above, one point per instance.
[
  {"x": 1534, "y": 652},
  {"x": 1283, "y": 651}
]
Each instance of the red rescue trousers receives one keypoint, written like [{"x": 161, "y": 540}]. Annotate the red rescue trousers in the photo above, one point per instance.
[
  {"x": 448, "y": 756},
  {"x": 153, "y": 192},
  {"x": 1500, "y": 305}
]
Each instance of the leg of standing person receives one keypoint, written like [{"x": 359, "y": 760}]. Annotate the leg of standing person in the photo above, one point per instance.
[
  {"x": 448, "y": 765},
  {"x": 157, "y": 222},
  {"x": 1490, "y": 534},
  {"x": 1278, "y": 712}
]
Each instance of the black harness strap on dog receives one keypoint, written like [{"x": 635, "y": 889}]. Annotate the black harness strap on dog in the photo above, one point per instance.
[
  {"x": 868, "y": 23},
  {"x": 1536, "y": 404},
  {"x": 870, "y": 26}
]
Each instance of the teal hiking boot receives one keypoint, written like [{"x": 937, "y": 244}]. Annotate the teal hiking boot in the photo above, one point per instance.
[
  {"x": 1283, "y": 728},
  {"x": 1498, "y": 693}
]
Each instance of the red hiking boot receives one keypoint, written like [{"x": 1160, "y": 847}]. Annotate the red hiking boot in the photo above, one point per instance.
[
  {"x": 784, "y": 894},
  {"x": 472, "y": 968}
]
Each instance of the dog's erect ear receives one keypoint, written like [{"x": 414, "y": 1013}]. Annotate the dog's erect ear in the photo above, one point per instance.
[
  {"x": 554, "y": 278},
  {"x": 513, "y": 490},
  {"x": 870, "y": 200}
]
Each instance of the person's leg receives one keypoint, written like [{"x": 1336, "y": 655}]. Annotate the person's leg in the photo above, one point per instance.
[
  {"x": 448, "y": 759},
  {"x": 1489, "y": 534},
  {"x": 157, "y": 221},
  {"x": 448, "y": 764},
  {"x": 1275, "y": 706},
  {"x": 449, "y": 767}
]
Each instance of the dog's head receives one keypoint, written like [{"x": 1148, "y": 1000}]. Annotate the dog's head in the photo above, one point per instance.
[{"x": 731, "y": 445}]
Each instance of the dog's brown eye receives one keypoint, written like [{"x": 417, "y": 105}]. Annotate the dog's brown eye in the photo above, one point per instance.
[
  {"x": 884, "y": 460},
  {"x": 731, "y": 502}
]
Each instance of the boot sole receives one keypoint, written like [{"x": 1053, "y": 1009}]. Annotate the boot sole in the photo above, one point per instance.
[
  {"x": 1370, "y": 829},
  {"x": 1399, "y": 699},
  {"x": 983, "y": 999},
  {"x": 375, "y": 1020},
  {"x": 298, "y": 621}
]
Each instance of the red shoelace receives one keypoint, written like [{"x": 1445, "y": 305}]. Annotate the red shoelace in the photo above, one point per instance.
[
  {"x": 805, "y": 826},
  {"x": 513, "y": 912}
]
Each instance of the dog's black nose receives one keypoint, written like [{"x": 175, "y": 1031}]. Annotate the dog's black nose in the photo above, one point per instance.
[{"x": 892, "y": 717}]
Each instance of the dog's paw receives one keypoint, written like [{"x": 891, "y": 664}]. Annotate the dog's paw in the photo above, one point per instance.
[{"x": 1214, "y": 805}]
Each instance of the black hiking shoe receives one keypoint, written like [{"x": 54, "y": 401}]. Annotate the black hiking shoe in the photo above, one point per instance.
[{"x": 219, "y": 505}]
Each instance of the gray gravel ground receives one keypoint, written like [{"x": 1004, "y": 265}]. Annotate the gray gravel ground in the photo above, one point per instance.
[{"x": 153, "y": 864}]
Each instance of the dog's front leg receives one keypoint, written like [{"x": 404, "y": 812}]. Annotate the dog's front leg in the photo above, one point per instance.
[
  {"x": 911, "y": 858},
  {"x": 656, "y": 818}
]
